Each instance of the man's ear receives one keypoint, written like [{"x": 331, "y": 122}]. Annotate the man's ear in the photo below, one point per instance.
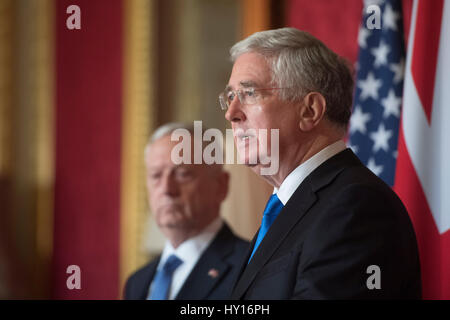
[{"x": 311, "y": 111}]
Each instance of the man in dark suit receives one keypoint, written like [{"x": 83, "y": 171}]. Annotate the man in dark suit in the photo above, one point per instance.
[
  {"x": 331, "y": 229},
  {"x": 201, "y": 257}
]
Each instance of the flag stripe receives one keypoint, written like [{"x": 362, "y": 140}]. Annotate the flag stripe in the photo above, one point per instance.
[
  {"x": 409, "y": 189},
  {"x": 425, "y": 52},
  {"x": 422, "y": 165}
]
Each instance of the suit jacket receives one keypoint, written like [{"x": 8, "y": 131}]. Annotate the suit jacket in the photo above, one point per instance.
[
  {"x": 340, "y": 220},
  {"x": 224, "y": 254}
]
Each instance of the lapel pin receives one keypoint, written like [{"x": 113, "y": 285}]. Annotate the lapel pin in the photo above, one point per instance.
[{"x": 213, "y": 273}]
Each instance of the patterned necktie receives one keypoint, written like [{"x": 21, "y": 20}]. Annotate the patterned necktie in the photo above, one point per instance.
[
  {"x": 163, "y": 278},
  {"x": 271, "y": 211}
]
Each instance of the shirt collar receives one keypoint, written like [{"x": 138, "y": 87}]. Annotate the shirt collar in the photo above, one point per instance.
[
  {"x": 191, "y": 249},
  {"x": 296, "y": 177}
]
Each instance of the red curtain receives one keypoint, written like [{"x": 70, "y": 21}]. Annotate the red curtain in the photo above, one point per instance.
[
  {"x": 88, "y": 135},
  {"x": 335, "y": 22}
]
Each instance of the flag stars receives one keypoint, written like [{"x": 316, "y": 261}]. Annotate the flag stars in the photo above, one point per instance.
[
  {"x": 398, "y": 69},
  {"x": 363, "y": 34},
  {"x": 377, "y": 169},
  {"x": 391, "y": 105},
  {"x": 377, "y": 107},
  {"x": 380, "y": 53},
  {"x": 369, "y": 87},
  {"x": 381, "y": 138},
  {"x": 358, "y": 121},
  {"x": 390, "y": 18}
]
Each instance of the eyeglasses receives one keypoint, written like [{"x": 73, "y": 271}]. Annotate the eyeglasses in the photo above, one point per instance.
[{"x": 247, "y": 96}]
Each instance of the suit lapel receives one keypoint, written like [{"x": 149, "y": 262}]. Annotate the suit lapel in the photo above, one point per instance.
[
  {"x": 292, "y": 214},
  {"x": 245, "y": 260},
  {"x": 145, "y": 285},
  {"x": 210, "y": 268},
  {"x": 289, "y": 216}
]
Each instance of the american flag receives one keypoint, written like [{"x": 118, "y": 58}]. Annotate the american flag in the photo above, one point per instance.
[
  {"x": 374, "y": 124},
  {"x": 416, "y": 153}
]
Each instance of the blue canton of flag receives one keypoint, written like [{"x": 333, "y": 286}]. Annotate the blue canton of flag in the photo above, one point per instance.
[{"x": 374, "y": 124}]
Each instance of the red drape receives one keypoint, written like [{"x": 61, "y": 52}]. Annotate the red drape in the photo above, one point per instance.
[
  {"x": 335, "y": 22},
  {"x": 88, "y": 134}
]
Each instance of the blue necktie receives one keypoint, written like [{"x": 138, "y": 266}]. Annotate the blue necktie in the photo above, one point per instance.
[
  {"x": 273, "y": 208},
  {"x": 163, "y": 278}
]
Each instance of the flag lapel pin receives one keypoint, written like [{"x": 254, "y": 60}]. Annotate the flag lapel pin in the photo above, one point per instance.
[{"x": 213, "y": 273}]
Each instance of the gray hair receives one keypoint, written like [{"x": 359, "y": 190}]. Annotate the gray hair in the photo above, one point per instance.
[
  {"x": 168, "y": 129},
  {"x": 165, "y": 130},
  {"x": 301, "y": 63}
]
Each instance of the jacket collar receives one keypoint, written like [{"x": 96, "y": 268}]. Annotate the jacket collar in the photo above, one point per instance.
[
  {"x": 210, "y": 268},
  {"x": 291, "y": 215}
]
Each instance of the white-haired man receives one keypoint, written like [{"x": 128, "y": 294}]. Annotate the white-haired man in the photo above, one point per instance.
[
  {"x": 201, "y": 255},
  {"x": 332, "y": 229}
]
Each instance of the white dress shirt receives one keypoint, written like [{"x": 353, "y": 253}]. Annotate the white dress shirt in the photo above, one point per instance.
[
  {"x": 189, "y": 252},
  {"x": 296, "y": 177}
]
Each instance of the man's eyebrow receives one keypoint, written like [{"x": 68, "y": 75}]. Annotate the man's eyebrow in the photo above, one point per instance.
[
  {"x": 245, "y": 84},
  {"x": 248, "y": 84}
]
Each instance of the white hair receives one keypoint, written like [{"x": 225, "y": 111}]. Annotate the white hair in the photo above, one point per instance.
[
  {"x": 168, "y": 129},
  {"x": 301, "y": 63},
  {"x": 165, "y": 130}
]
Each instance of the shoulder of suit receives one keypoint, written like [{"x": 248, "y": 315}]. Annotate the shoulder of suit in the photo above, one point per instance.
[
  {"x": 362, "y": 179},
  {"x": 145, "y": 270},
  {"x": 228, "y": 243},
  {"x": 230, "y": 233}
]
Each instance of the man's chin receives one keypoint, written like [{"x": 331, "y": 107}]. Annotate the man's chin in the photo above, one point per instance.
[
  {"x": 255, "y": 167},
  {"x": 250, "y": 165},
  {"x": 170, "y": 220},
  {"x": 248, "y": 161},
  {"x": 172, "y": 225},
  {"x": 263, "y": 170}
]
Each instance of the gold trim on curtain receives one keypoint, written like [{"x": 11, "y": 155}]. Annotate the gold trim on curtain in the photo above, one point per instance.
[
  {"x": 6, "y": 117},
  {"x": 6, "y": 72},
  {"x": 248, "y": 192},
  {"x": 44, "y": 140},
  {"x": 187, "y": 81},
  {"x": 27, "y": 143},
  {"x": 256, "y": 16},
  {"x": 137, "y": 123}
]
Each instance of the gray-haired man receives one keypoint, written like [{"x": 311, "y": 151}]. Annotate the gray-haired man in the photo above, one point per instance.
[
  {"x": 201, "y": 255},
  {"x": 332, "y": 229}
]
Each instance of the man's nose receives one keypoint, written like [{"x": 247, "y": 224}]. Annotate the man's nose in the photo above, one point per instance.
[
  {"x": 235, "y": 113},
  {"x": 169, "y": 185}
]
